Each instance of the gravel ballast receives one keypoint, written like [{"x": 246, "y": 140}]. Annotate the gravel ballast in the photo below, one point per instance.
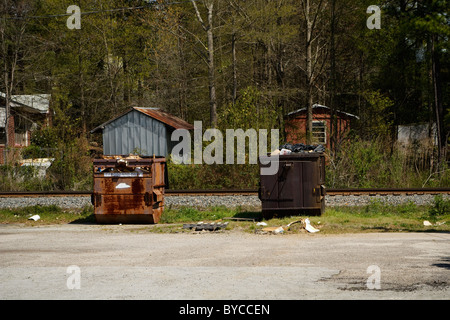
[{"x": 215, "y": 201}]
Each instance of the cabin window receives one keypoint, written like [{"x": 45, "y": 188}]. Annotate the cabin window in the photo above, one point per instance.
[
  {"x": 2, "y": 136},
  {"x": 319, "y": 132}
]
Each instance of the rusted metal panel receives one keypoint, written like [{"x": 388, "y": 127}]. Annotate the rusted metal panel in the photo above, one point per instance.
[
  {"x": 128, "y": 190},
  {"x": 166, "y": 118},
  {"x": 155, "y": 113},
  {"x": 297, "y": 187}
]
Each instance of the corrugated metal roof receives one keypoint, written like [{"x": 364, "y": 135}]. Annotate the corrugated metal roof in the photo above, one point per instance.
[
  {"x": 165, "y": 117},
  {"x": 33, "y": 103},
  {"x": 321, "y": 106},
  {"x": 154, "y": 113}
]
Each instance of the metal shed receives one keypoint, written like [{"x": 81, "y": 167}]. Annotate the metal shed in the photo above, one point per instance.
[{"x": 143, "y": 130}]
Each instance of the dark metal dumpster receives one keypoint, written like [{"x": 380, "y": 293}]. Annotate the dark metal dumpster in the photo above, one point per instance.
[
  {"x": 128, "y": 190},
  {"x": 297, "y": 188}
]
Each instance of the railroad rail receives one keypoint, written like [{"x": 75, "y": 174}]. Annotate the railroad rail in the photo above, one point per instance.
[{"x": 237, "y": 192}]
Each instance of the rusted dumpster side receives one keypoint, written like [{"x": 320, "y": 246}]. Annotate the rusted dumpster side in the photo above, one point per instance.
[
  {"x": 297, "y": 188},
  {"x": 128, "y": 190}
]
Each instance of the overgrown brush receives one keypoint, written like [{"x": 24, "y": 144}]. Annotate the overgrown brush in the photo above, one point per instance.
[{"x": 377, "y": 164}]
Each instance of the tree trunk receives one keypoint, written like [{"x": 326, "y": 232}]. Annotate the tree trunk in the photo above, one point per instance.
[
  {"x": 308, "y": 73},
  {"x": 211, "y": 75},
  {"x": 233, "y": 51},
  {"x": 12, "y": 42},
  {"x": 210, "y": 59},
  {"x": 333, "y": 122},
  {"x": 182, "y": 83},
  {"x": 437, "y": 92}
]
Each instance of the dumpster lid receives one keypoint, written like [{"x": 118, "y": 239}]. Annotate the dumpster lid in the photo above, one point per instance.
[
  {"x": 128, "y": 161},
  {"x": 294, "y": 156}
]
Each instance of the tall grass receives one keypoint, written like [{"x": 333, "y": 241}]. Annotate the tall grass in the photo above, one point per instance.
[
  {"x": 376, "y": 164},
  {"x": 358, "y": 164},
  {"x": 71, "y": 169},
  {"x": 203, "y": 176}
]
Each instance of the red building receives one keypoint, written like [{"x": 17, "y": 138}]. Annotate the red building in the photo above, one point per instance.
[{"x": 295, "y": 125}]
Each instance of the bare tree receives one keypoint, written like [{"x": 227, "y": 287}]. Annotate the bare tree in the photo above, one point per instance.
[
  {"x": 13, "y": 24},
  {"x": 311, "y": 21},
  {"x": 208, "y": 28},
  {"x": 437, "y": 94}
]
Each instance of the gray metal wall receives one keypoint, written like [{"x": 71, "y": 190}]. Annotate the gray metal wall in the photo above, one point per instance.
[{"x": 133, "y": 131}]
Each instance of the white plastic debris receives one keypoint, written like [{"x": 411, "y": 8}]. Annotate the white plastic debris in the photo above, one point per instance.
[
  {"x": 261, "y": 224},
  {"x": 285, "y": 152},
  {"x": 309, "y": 227},
  {"x": 278, "y": 230},
  {"x": 35, "y": 217},
  {"x": 427, "y": 223},
  {"x": 122, "y": 185}
]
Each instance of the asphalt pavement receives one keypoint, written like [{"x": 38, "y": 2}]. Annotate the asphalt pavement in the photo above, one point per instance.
[{"x": 89, "y": 261}]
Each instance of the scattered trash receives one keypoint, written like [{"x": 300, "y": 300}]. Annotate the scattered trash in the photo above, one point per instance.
[
  {"x": 278, "y": 230},
  {"x": 35, "y": 217},
  {"x": 306, "y": 224},
  {"x": 309, "y": 227},
  {"x": 293, "y": 222},
  {"x": 39, "y": 164},
  {"x": 427, "y": 223},
  {"x": 275, "y": 230},
  {"x": 200, "y": 226},
  {"x": 284, "y": 152}
]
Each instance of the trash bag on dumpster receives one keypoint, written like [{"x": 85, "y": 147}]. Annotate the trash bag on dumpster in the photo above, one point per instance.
[{"x": 300, "y": 147}]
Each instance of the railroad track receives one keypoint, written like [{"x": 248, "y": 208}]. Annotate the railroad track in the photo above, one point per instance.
[{"x": 249, "y": 192}]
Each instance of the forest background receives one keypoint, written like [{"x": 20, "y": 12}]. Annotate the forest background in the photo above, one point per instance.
[{"x": 233, "y": 64}]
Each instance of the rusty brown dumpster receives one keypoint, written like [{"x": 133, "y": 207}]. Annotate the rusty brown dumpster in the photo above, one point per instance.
[
  {"x": 128, "y": 189},
  {"x": 297, "y": 188}
]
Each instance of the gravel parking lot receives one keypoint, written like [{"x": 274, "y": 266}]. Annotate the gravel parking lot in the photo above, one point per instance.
[{"x": 90, "y": 261}]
